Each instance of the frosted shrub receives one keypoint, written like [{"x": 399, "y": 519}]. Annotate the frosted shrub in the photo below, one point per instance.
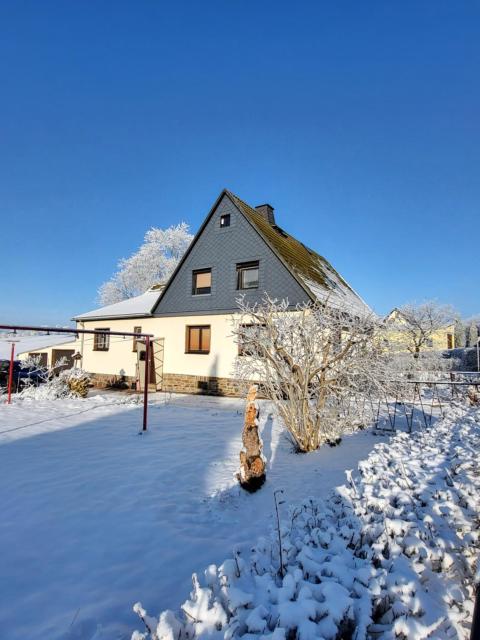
[
  {"x": 392, "y": 555},
  {"x": 311, "y": 362},
  {"x": 69, "y": 383}
]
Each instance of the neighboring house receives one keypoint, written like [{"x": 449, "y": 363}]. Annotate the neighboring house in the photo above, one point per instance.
[
  {"x": 237, "y": 250},
  {"x": 440, "y": 339},
  {"x": 48, "y": 348}
]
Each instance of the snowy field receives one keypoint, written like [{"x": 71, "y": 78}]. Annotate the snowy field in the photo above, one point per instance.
[
  {"x": 391, "y": 555},
  {"x": 95, "y": 518}
]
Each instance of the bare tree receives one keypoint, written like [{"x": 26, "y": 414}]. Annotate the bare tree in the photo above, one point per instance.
[
  {"x": 308, "y": 362},
  {"x": 415, "y": 325}
]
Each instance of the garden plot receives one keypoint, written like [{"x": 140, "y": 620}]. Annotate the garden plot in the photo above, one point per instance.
[
  {"x": 391, "y": 555},
  {"x": 95, "y": 517}
]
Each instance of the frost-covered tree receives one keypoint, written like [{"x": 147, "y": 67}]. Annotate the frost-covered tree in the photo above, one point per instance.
[
  {"x": 472, "y": 334},
  {"x": 153, "y": 263},
  {"x": 459, "y": 333},
  {"x": 308, "y": 362},
  {"x": 415, "y": 325}
]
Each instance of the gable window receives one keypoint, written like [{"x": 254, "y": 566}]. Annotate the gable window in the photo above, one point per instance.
[
  {"x": 197, "y": 339},
  {"x": 135, "y": 340},
  {"x": 225, "y": 220},
  {"x": 247, "y": 275},
  {"x": 101, "y": 342},
  {"x": 201, "y": 282}
]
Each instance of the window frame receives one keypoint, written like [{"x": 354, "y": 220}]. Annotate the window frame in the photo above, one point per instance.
[
  {"x": 227, "y": 218},
  {"x": 243, "y": 267},
  {"x": 201, "y": 328},
  {"x": 195, "y": 291},
  {"x": 101, "y": 343}
]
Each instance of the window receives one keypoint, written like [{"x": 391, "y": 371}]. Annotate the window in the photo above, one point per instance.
[
  {"x": 247, "y": 275},
  {"x": 197, "y": 339},
  {"x": 101, "y": 342},
  {"x": 247, "y": 339},
  {"x": 225, "y": 220},
  {"x": 135, "y": 340},
  {"x": 201, "y": 282}
]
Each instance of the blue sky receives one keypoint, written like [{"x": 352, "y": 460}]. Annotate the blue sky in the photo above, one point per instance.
[{"x": 358, "y": 121}]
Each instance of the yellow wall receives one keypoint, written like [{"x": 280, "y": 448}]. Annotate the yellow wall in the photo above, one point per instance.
[
  {"x": 439, "y": 337},
  {"x": 23, "y": 355},
  {"x": 121, "y": 358}
]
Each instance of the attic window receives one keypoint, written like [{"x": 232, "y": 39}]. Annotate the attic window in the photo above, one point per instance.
[
  {"x": 225, "y": 220},
  {"x": 280, "y": 231},
  {"x": 247, "y": 275},
  {"x": 201, "y": 282}
]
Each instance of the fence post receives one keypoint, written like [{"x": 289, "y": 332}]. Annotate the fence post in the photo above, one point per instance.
[
  {"x": 10, "y": 374},
  {"x": 475, "y": 628},
  {"x": 146, "y": 381}
]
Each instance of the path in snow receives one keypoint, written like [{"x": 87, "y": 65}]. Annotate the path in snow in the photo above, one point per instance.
[{"x": 94, "y": 517}]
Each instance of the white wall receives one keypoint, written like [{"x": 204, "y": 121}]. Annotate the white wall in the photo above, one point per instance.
[{"x": 120, "y": 356}]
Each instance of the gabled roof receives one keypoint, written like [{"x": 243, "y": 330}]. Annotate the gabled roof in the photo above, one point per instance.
[
  {"x": 137, "y": 307},
  {"x": 312, "y": 271}
]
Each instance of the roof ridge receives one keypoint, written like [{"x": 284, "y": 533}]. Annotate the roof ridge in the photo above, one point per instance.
[{"x": 310, "y": 268}]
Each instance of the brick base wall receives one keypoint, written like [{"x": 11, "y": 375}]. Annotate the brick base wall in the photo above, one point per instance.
[
  {"x": 180, "y": 383},
  {"x": 207, "y": 385},
  {"x": 104, "y": 380}
]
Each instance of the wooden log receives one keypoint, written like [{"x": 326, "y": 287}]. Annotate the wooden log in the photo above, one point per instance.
[{"x": 252, "y": 463}]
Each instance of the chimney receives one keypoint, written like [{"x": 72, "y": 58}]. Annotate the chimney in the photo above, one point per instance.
[{"x": 267, "y": 212}]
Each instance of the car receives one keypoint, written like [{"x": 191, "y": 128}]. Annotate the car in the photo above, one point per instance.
[{"x": 22, "y": 374}]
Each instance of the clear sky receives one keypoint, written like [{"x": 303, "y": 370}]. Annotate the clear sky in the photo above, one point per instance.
[{"x": 358, "y": 121}]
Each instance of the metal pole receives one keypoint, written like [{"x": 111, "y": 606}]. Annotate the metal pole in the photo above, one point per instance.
[
  {"x": 145, "y": 383},
  {"x": 478, "y": 354},
  {"x": 475, "y": 628},
  {"x": 10, "y": 374}
]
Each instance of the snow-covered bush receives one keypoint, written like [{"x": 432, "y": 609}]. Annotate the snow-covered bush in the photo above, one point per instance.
[
  {"x": 69, "y": 383},
  {"x": 391, "y": 555},
  {"x": 310, "y": 362}
]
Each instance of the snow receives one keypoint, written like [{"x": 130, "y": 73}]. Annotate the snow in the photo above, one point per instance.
[
  {"x": 366, "y": 561},
  {"x": 138, "y": 306},
  {"x": 96, "y": 517},
  {"x": 26, "y": 344}
]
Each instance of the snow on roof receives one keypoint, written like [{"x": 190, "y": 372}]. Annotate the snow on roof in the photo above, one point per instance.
[
  {"x": 132, "y": 307},
  {"x": 24, "y": 344}
]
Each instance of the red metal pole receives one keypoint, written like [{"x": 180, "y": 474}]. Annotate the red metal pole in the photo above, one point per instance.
[
  {"x": 146, "y": 381},
  {"x": 10, "y": 374}
]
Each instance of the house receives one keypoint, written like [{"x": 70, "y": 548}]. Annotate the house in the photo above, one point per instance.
[
  {"x": 49, "y": 349},
  {"x": 238, "y": 249},
  {"x": 440, "y": 339}
]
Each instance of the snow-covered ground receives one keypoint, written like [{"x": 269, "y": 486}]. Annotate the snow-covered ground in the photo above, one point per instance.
[
  {"x": 391, "y": 555},
  {"x": 95, "y": 517}
]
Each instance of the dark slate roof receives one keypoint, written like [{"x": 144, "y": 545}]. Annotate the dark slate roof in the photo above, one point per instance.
[{"x": 312, "y": 270}]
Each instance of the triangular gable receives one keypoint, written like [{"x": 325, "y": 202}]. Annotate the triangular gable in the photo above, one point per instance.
[{"x": 278, "y": 279}]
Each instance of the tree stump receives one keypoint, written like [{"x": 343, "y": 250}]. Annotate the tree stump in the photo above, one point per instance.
[{"x": 252, "y": 464}]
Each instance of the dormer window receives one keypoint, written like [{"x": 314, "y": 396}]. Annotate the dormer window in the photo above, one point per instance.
[
  {"x": 225, "y": 220},
  {"x": 201, "y": 282},
  {"x": 247, "y": 275}
]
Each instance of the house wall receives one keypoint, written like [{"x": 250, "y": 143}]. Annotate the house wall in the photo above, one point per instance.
[
  {"x": 182, "y": 371},
  {"x": 23, "y": 355},
  {"x": 221, "y": 249},
  {"x": 439, "y": 337}
]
